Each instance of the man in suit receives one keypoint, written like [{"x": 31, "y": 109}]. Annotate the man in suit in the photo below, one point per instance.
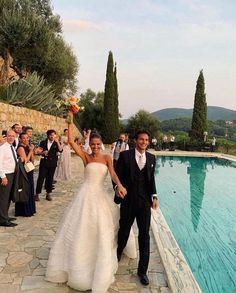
[
  {"x": 117, "y": 147},
  {"x": 8, "y": 160},
  {"x": 17, "y": 128},
  {"x": 135, "y": 169},
  {"x": 48, "y": 149}
]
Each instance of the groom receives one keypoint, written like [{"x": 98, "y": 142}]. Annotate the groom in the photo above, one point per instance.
[{"x": 135, "y": 169}]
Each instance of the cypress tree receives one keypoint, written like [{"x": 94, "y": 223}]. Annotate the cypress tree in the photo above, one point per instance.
[
  {"x": 116, "y": 101},
  {"x": 111, "y": 119},
  {"x": 199, "y": 119}
]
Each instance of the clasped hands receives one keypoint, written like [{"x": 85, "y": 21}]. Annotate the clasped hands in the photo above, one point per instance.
[{"x": 121, "y": 191}]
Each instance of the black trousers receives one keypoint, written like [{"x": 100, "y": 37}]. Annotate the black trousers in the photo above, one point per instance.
[
  {"x": 5, "y": 198},
  {"x": 143, "y": 218},
  {"x": 46, "y": 172}
]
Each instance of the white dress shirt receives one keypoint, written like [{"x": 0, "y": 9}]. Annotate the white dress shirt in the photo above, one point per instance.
[
  {"x": 140, "y": 159},
  {"x": 49, "y": 144},
  {"x": 16, "y": 142},
  {"x": 7, "y": 162}
]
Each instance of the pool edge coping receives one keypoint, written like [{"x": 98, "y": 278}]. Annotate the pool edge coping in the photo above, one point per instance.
[
  {"x": 179, "y": 275},
  {"x": 178, "y": 153}
]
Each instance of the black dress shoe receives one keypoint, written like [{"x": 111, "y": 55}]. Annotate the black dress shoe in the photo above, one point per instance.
[
  {"x": 8, "y": 224},
  {"x": 143, "y": 279},
  {"x": 48, "y": 197},
  {"x": 11, "y": 219},
  {"x": 36, "y": 197}
]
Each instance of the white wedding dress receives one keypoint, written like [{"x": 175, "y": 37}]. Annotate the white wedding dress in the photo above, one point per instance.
[{"x": 84, "y": 250}]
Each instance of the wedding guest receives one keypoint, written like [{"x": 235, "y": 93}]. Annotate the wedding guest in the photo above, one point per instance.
[
  {"x": 48, "y": 149},
  {"x": 17, "y": 128},
  {"x": 29, "y": 131},
  {"x": 78, "y": 141},
  {"x": 3, "y": 137},
  {"x": 63, "y": 170},
  {"x": 117, "y": 147},
  {"x": 164, "y": 142},
  {"x": 172, "y": 143},
  {"x": 127, "y": 140},
  {"x": 86, "y": 146},
  {"x": 213, "y": 144},
  {"x": 8, "y": 161},
  {"x": 25, "y": 152},
  {"x": 154, "y": 142}
]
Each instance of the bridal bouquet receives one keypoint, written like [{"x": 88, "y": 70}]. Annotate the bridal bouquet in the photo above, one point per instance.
[{"x": 69, "y": 103}]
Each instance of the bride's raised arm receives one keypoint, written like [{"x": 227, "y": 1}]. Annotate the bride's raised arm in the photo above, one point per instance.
[{"x": 78, "y": 150}]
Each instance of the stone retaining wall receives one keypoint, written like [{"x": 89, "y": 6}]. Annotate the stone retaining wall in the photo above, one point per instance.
[{"x": 40, "y": 122}]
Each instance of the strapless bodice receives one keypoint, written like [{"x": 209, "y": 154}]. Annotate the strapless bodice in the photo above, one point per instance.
[{"x": 95, "y": 173}]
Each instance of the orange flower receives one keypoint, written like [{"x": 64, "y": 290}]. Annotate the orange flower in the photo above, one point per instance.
[
  {"x": 75, "y": 108},
  {"x": 73, "y": 100}
]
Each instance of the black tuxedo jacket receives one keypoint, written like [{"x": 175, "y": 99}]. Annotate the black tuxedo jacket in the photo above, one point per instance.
[
  {"x": 52, "y": 154},
  {"x": 125, "y": 170}
]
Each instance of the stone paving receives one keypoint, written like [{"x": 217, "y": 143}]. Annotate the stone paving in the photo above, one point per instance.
[{"x": 24, "y": 249}]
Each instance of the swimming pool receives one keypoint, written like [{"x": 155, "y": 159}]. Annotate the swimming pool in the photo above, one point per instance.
[{"x": 197, "y": 196}]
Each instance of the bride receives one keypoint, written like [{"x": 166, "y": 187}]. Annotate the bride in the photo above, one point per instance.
[{"x": 84, "y": 250}]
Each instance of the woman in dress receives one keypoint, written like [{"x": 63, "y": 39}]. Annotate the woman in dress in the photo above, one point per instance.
[
  {"x": 25, "y": 152},
  {"x": 63, "y": 170},
  {"x": 84, "y": 250}
]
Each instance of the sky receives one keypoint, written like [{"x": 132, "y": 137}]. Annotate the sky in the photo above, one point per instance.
[{"x": 159, "y": 46}]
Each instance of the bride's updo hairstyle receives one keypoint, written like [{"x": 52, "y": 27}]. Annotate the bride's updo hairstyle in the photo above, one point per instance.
[{"x": 94, "y": 135}]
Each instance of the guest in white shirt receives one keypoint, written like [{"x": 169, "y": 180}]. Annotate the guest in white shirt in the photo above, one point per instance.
[
  {"x": 48, "y": 149},
  {"x": 8, "y": 160},
  {"x": 117, "y": 147}
]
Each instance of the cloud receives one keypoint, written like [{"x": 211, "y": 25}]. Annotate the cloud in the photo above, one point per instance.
[{"x": 75, "y": 25}]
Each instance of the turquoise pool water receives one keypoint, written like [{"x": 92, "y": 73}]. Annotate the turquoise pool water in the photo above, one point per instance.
[{"x": 197, "y": 196}]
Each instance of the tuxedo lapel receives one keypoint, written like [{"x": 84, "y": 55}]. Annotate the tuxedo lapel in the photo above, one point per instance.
[
  {"x": 148, "y": 164},
  {"x": 52, "y": 147},
  {"x": 132, "y": 163},
  {"x": 45, "y": 147}
]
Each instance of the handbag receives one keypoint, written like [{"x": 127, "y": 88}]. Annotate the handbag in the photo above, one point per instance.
[
  {"x": 29, "y": 167},
  {"x": 21, "y": 187}
]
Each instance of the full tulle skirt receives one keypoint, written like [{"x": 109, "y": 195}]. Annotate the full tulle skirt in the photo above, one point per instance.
[{"x": 84, "y": 250}]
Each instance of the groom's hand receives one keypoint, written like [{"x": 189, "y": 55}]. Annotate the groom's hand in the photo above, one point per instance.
[{"x": 155, "y": 203}]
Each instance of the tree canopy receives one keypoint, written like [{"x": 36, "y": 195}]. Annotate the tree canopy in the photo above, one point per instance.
[
  {"x": 199, "y": 119},
  {"x": 111, "y": 113},
  {"x": 143, "y": 120},
  {"x": 31, "y": 33},
  {"x": 92, "y": 115}
]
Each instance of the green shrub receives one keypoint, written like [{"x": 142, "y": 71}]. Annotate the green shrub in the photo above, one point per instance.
[
  {"x": 30, "y": 92},
  {"x": 37, "y": 137},
  {"x": 226, "y": 146}
]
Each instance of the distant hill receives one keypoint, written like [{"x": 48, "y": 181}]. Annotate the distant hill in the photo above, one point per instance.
[{"x": 214, "y": 113}]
